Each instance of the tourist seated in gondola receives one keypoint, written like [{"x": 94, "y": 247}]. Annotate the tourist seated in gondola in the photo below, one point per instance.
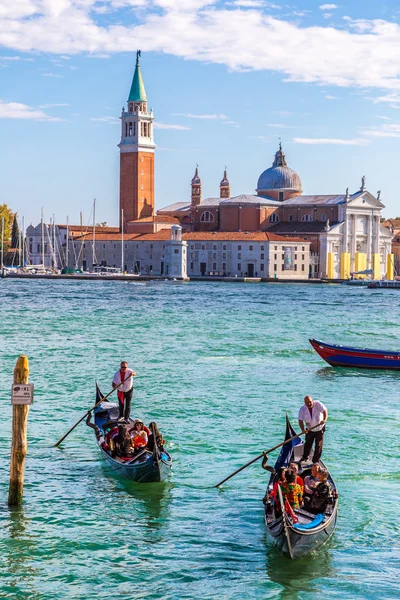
[
  {"x": 291, "y": 490},
  {"x": 142, "y": 427},
  {"x": 159, "y": 439},
  {"x": 293, "y": 466},
  {"x": 122, "y": 444},
  {"x": 322, "y": 496},
  {"x": 272, "y": 497},
  {"x": 311, "y": 481},
  {"x": 138, "y": 436}
]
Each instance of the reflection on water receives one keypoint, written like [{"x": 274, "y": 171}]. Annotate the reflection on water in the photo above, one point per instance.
[
  {"x": 340, "y": 372},
  {"x": 149, "y": 501},
  {"x": 17, "y": 550},
  {"x": 301, "y": 575}
]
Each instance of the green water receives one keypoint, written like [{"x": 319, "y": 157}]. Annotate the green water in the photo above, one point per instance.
[{"x": 218, "y": 367}]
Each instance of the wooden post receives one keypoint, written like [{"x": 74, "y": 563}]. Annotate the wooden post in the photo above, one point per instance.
[{"x": 19, "y": 443}]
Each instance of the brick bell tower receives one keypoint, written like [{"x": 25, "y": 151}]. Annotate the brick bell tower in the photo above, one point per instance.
[{"x": 136, "y": 191}]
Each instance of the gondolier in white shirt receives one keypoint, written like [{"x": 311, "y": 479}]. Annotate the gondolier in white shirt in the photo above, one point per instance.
[
  {"x": 313, "y": 413},
  {"x": 125, "y": 391}
]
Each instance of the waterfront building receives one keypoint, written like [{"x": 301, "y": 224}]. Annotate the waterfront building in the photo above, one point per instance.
[
  {"x": 344, "y": 230},
  {"x": 274, "y": 232}
]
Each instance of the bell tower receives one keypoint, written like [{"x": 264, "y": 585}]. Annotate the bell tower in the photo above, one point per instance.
[
  {"x": 196, "y": 188},
  {"x": 136, "y": 191},
  {"x": 224, "y": 186}
]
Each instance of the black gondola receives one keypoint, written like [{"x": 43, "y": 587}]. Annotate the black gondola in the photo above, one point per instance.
[
  {"x": 146, "y": 466},
  {"x": 311, "y": 531}
]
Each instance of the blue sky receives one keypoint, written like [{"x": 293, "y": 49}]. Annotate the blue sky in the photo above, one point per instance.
[{"x": 226, "y": 80}]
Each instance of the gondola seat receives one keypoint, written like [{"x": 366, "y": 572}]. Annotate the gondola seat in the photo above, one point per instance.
[{"x": 314, "y": 523}]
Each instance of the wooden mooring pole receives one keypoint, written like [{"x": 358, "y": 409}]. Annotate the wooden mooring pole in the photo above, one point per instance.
[{"x": 19, "y": 443}]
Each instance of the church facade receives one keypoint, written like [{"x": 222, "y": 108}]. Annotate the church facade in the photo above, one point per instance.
[{"x": 344, "y": 230}]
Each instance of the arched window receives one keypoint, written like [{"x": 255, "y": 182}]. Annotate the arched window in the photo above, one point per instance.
[
  {"x": 306, "y": 218},
  {"x": 323, "y": 217},
  {"x": 207, "y": 217},
  {"x": 274, "y": 218}
]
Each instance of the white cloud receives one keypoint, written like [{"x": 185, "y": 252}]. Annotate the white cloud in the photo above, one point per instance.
[
  {"x": 108, "y": 120},
  {"x": 389, "y": 98},
  {"x": 329, "y": 97},
  {"x": 328, "y": 6},
  {"x": 233, "y": 123},
  {"x": 57, "y": 76},
  {"x": 366, "y": 53},
  {"x": 283, "y": 113},
  {"x": 332, "y": 141},
  {"x": 191, "y": 116},
  {"x": 159, "y": 125},
  {"x": 280, "y": 126},
  {"x": 16, "y": 110},
  {"x": 52, "y": 105},
  {"x": 382, "y": 117},
  {"x": 388, "y": 130},
  {"x": 248, "y": 3}
]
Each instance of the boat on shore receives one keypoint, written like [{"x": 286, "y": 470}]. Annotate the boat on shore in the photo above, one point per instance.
[
  {"x": 146, "y": 466},
  {"x": 361, "y": 358},
  {"x": 297, "y": 534}
]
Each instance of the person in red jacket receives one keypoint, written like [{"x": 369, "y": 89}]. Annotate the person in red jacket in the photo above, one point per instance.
[{"x": 123, "y": 380}]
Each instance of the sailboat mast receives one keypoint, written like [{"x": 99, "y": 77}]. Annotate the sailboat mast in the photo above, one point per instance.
[
  {"x": 81, "y": 239},
  {"x": 20, "y": 247},
  {"x": 54, "y": 242},
  {"x": 122, "y": 242},
  {"x": 66, "y": 246},
  {"x": 94, "y": 232},
  {"x": 23, "y": 242},
  {"x": 2, "y": 245},
  {"x": 42, "y": 239}
]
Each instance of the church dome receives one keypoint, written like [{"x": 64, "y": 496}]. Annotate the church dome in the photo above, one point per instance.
[{"x": 279, "y": 176}]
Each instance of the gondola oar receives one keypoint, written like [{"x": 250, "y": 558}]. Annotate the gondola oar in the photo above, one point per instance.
[
  {"x": 86, "y": 414},
  {"x": 264, "y": 453}
]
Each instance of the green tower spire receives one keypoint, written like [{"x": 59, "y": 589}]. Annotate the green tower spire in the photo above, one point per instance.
[{"x": 137, "y": 93}]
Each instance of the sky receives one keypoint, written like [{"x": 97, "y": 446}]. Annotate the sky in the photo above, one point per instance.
[{"x": 226, "y": 80}]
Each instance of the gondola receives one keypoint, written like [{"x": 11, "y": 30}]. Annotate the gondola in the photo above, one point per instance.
[
  {"x": 146, "y": 466},
  {"x": 362, "y": 358},
  {"x": 297, "y": 539}
]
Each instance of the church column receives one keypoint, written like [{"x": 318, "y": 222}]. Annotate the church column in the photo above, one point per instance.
[
  {"x": 369, "y": 240},
  {"x": 354, "y": 239}
]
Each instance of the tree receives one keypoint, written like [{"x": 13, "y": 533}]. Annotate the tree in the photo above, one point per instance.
[
  {"x": 15, "y": 233},
  {"x": 7, "y": 214}
]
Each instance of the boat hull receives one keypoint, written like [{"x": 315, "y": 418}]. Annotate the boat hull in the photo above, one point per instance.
[
  {"x": 296, "y": 541},
  {"x": 296, "y": 544},
  {"x": 147, "y": 471},
  {"x": 147, "y": 467},
  {"x": 341, "y": 356}
]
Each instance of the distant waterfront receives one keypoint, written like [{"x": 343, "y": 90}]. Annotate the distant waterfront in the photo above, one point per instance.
[{"x": 218, "y": 368}]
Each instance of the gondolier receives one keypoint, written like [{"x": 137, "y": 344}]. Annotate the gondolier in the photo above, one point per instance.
[
  {"x": 123, "y": 380},
  {"x": 311, "y": 414}
]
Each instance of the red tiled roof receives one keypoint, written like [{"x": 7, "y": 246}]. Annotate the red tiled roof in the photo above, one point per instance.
[
  {"x": 165, "y": 234},
  {"x": 106, "y": 237},
  {"x": 257, "y": 236},
  {"x": 157, "y": 219},
  {"x": 89, "y": 228}
]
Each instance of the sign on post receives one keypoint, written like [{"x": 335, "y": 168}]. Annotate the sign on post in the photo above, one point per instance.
[{"x": 22, "y": 393}]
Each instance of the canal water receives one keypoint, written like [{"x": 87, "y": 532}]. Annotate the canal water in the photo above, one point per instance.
[{"x": 218, "y": 367}]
